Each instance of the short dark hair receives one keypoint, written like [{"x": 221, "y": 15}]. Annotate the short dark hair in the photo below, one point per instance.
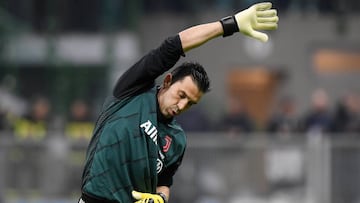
[{"x": 197, "y": 73}]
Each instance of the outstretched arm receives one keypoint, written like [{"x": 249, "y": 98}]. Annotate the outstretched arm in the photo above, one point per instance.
[
  {"x": 198, "y": 35},
  {"x": 249, "y": 21}
]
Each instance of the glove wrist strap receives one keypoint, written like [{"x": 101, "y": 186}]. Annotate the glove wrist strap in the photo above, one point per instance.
[
  {"x": 229, "y": 25},
  {"x": 163, "y": 196}
]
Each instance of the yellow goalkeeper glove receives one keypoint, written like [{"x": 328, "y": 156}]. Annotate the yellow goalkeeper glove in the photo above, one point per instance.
[
  {"x": 257, "y": 17},
  {"x": 148, "y": 198}
]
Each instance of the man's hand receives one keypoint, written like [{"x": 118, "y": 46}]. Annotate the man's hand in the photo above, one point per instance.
[
  {"x": 148, "y": 198},
  {"x": 257, "y": 17}
]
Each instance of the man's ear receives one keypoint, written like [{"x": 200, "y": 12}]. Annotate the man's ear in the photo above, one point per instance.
[{"x": 167, "y": 80}]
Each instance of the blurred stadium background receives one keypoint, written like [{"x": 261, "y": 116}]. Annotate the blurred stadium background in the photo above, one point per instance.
[{"x": 281, "y": 124}]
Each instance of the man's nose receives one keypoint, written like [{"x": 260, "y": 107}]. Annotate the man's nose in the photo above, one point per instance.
[{"x": 182, "y": 104}]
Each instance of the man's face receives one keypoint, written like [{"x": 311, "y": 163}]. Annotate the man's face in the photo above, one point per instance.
[{"x": 178, "y": 97}]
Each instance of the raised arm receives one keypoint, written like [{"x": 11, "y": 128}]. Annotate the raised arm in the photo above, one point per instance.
[
  {"x": 198, "y": 35},
  {"x": 257, "y": 17},
  {"x": 142, "y": 74}
]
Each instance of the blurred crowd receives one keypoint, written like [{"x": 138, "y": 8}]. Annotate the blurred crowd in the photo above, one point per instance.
[
  {"x": 285, "y": 118},
  {"x": 35, "y": 119}
]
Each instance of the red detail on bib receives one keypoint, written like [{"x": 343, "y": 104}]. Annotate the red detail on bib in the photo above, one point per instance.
[{"x": 168, "y": 140}]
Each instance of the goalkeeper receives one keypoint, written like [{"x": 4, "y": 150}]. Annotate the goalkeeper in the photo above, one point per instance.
[{"x": 137, "y": 145}]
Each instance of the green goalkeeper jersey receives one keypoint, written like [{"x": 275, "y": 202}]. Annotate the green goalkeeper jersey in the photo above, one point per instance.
[{"x": 133, "y": 147}]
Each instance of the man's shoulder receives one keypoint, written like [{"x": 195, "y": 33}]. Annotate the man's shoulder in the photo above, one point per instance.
[{"x": 128, "y": 110}]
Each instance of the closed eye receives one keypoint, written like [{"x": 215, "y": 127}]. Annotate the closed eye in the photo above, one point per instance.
[
  {"x": 190, "y": 102},
  {"x": 182, "y": 95}
]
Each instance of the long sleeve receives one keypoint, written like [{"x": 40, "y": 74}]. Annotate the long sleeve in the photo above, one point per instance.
[{"x": 141, "y": 75}]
